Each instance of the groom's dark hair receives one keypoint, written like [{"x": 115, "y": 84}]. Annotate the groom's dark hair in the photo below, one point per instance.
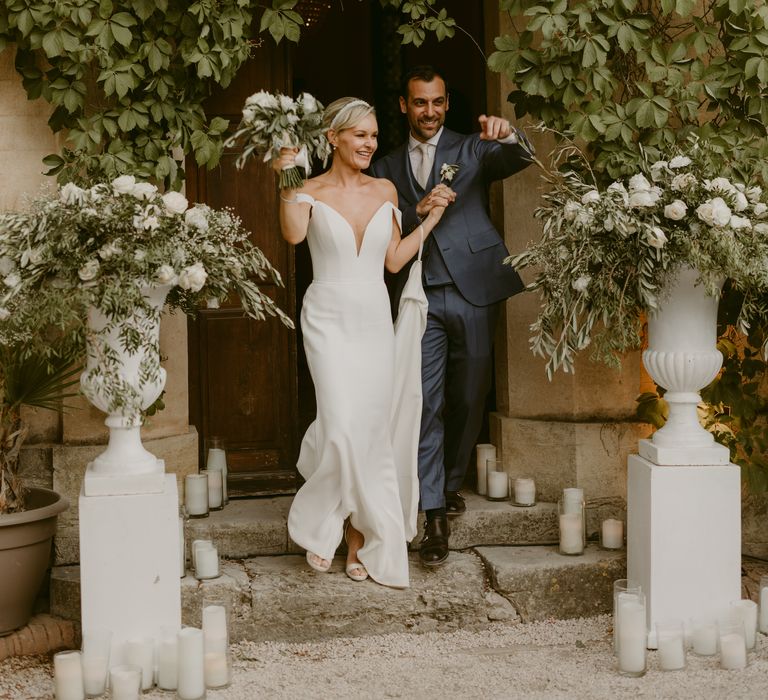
[{"x": 426, "y": 73}]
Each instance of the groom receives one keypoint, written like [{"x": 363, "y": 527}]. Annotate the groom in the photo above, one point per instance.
[{"x": 464, "y": 280}]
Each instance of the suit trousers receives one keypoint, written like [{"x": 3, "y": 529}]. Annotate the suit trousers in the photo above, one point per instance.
[{"x": 457, "y": 357}]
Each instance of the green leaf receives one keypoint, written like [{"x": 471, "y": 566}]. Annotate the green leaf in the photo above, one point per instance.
[{"x": 121, "y": 35}]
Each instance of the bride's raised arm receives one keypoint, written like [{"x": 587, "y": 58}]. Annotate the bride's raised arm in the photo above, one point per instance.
[{"x": 294, "y": 213}]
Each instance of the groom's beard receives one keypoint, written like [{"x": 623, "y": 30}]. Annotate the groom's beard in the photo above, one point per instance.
[{"x": 426, "y": 130}]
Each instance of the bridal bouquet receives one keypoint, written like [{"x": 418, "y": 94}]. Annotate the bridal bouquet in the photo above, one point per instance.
[
  {"x": 271, "y": 122},
  {"x": 605, "y": 253}
]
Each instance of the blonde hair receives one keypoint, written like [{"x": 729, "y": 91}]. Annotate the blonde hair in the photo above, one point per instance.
[{"x": 345, "y": 112}]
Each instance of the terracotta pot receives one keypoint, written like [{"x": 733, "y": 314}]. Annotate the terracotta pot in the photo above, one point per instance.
[{"x": 25, "y": 554}]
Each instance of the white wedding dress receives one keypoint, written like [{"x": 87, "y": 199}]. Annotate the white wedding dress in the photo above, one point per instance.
[{"x": 359, "y": 455}]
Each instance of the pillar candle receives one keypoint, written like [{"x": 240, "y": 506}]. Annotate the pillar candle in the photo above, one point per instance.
[
  {"x": 191, "y": 683},
  {"x": 704, "y": 638},
  {"x": 97, "y": 644},
  {"x": 207, "y": 562},
  {"x": 215, "y": 628},
  {"x": 168, "y": 660},
  {"x": 632, "y": 638},
  {"x": 498, "y": 484},
  {"x": 746, "y": 612},
  {"x": 764, "y": 610},
  {"x": 525, "y": 491},
  {"x": 68, "y": 676},
  {"x": 196, "y": 495},
  {"x": 197, "y": 544},
  {"x": 140, "y": 651},
  {"x": 485, "y": 451},
  {"x": 124, "y": 682},
  {"x": 571, "y": 533},
  {"x": 215, "y": 491},
  {"x": 671, "y": 644},
  {"x": 217, "y": 461},
  {"x": 573, "y": 499},
  {"x": 613, "y": 534},
  {"x": 216, "y": 670},
  {"x": 733, "y": 651}
]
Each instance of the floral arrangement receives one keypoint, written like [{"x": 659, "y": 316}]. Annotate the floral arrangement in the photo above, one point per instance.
[
  {"x": 101, "y": 248},
  {"x": 448, "y": 172},
  {"x": 605, "y": 253},
  {"x": 274, "y": 121}
]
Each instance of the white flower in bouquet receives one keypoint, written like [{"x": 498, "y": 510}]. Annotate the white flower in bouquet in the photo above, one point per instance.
[
  {"x": 676, "y": 210},
  {"x": 110, "y": 249},
  {"x": 571, "y": 210},
  {"x": 271, "y": 122},
  {"x": 193, "y": 277},
  {"x": 740, "y": 202},
  {"x": 580, "y": 284},
  {"x": 590, "y": 197},
  {"x": 760, "y": 210},
  {"x": 720, "y": 184},
  {"x": 657, "y": 170},
  {"x": 643, "y": 198},
  {"x": 683, "y": 181},
  {"x": 71, "y": 194},
  {"x": 761, "y": 228},
  {"x": 139, "y": 255},
  {"x": 6, "y": 265},
  {"x": 124, "y": 184},
  {"x": 12, "y": 280},
  {"x": 144, "y": 190},
  {"x": 680, "y": 162},
  {"x": 656, "y": 237},
  {"x": 166, "y": 275},
  {"x": 175, "y": 202},
  {"x": 4, "y": 314},
  {"x": 714, "y": 212},
  {"x": 639, "y": 183},
  {"x": 739, "y": 222},
  {"x": 753, "y": 194},
  {"x": 196, "y": 217},
  {"x": 89, "y": 271}
]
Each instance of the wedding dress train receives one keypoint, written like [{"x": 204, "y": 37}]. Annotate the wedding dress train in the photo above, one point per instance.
[{"x": 359, "y": 455}]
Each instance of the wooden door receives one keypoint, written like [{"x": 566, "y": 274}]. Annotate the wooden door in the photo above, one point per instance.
[{"x": 242, "y": 373}]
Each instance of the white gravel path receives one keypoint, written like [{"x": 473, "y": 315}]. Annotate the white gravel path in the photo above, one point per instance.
[{"x": 557, "y": 659}]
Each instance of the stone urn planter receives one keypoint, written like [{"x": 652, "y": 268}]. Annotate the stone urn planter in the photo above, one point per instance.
[{"x": 25, "y": 554}]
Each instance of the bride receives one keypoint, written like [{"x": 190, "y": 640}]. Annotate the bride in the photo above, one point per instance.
[{"x": 352, "y": 225}]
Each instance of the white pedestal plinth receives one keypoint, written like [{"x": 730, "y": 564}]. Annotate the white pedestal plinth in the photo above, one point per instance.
[
  {"x": 129, "y": 564},
  {"x": 116, "y": 484},
  {"x": 714, "y": 454},
  {"x": 684, "y": 539}
]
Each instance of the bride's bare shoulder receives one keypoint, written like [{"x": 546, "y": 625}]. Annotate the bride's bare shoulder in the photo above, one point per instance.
[{"x": 385, "y": 188}]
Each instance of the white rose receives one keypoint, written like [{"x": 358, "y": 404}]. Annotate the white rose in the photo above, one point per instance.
[
  {"x": 617, "y": 187},
  {"x": 581, "y": 284},
  {"x": 292, "y": 118},
  {"x": 608, "y": 224},
  {"x": 262, "y": 99},
  {"x": 721, "y": 184},
  {"x": 308, "y": 103},
  {"x": 657, "y": 170},
  {"x": 679, "y": 162},
  {"x": 175, "y": 202},
  {"x": 584, "y": 217},
  {"x": 739, "y": 222},
  {"x": 108, "y": 250},
  {"x": 97, "y": 192},
  {"x": 761, "y": 228},
  {"x": 590, "y": 197},
  {"x": 656, "y": 237},
  {"x": 12, "y": 280},
  {"x": 166, "y": 275},
  {"x": 639, "y": 183},
  {"x": 740, "y": 203},
  {"x": 642, "y": 198},
  {"x": 71, "y": 194},
  {"x": 143, "y": 190},
  {"x": 714, "y": 212},
  {"x": 89, "y": 270},
  {"x": 6, "y": 265},
  {"x": 286, "y": 103},
  {"x": 760, "y": 209},
  {"x": 123, "y": 184},
  {"x": 676, "y": 210},
  {"x": 4, "y": 314},
  {"x": 196, "y": 217},
  {"x": 683, "y": 181},
  {"x": 754, "y": 193},
  {"x": 193, "y": 277},
  {"x": 248, "y": 114},
  {"x": 145, "y": 223},
  {"x": 570, "y": 210}
]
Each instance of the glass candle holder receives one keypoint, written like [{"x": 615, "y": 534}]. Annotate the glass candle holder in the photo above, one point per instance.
[
  {"x": 627, "y": 588},
  {"x": 215, "y": 492},
  {"x": 572, "y": 526},
  {"x": 670, "y": 637},
  {"x": 96, "y": 649},
  {"x": 168, "y": 658},
  {"x": 140, "y": 651},
  {"x": 484, "y": 451},
  {"x": 704, "y": 637},
  {"x": 216, "y": 460},
  {"x": 745, "y": 611},
  {"x": 612, "y": 534},
  {"x": 497, "y": 480},
  {"x": 196, "y": 495},
  {"x": 215, "y": 624},
  {"x": 191, "y": 659},
  {"x": 763, "y": 598},
  {"x": 524, "y": 493},
  {"x": 207, "y": 562},
  {"x": 632, "y": 634},
  {"x": 182, "y": 541},
  {"x": 732, "y": 644},
  {"x": 124, "y": 682},
  {"x": 68, "y": 675}
]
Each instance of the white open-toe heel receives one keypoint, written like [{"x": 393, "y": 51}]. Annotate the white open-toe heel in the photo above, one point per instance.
[
  {"x": 356, "y": 566},
  {"x": 315, "y": 562}
]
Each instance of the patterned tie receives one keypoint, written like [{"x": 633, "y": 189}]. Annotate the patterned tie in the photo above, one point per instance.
[{"x": 422, "y": 170}]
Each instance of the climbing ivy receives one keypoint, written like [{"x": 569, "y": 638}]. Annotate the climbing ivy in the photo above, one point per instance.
[{"x": 127, "y": 79}]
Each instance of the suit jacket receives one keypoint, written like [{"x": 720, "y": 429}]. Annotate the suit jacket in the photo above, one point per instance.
[{"x": 468, "y": 245}]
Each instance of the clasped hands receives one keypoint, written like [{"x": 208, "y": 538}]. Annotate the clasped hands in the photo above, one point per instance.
[{"x": 438, "y": 197}]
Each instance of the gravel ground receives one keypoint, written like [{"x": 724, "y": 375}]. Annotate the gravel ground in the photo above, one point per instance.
[{"x": 557, "y": 659}]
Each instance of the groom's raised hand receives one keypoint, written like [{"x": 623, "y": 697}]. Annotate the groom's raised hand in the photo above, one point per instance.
[
  {"x": 439, "y": 196},
  {"x": 494, "y": 128}
]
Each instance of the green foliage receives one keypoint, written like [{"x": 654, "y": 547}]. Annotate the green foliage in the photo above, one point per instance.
[{"x": 628, "y": 76}]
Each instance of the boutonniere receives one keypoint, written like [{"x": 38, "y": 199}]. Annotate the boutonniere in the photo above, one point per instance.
[{"x": 448, "y": 171}]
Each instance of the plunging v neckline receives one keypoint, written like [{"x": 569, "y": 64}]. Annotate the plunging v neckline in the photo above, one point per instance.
[{"x": 351, "y": 228}]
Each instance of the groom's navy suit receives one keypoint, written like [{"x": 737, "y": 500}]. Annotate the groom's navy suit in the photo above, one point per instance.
[{"x": 464, "y": 278}]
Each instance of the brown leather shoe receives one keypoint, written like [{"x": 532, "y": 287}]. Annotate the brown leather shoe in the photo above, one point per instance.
[
  {"x": 454, "y": 503},
  {"x": 434, "y": 545}
]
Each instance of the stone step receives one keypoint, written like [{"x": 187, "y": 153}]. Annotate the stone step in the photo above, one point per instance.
[
  {"x": 259, "y": 526},
  {"x": 279, "y": 598}
]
